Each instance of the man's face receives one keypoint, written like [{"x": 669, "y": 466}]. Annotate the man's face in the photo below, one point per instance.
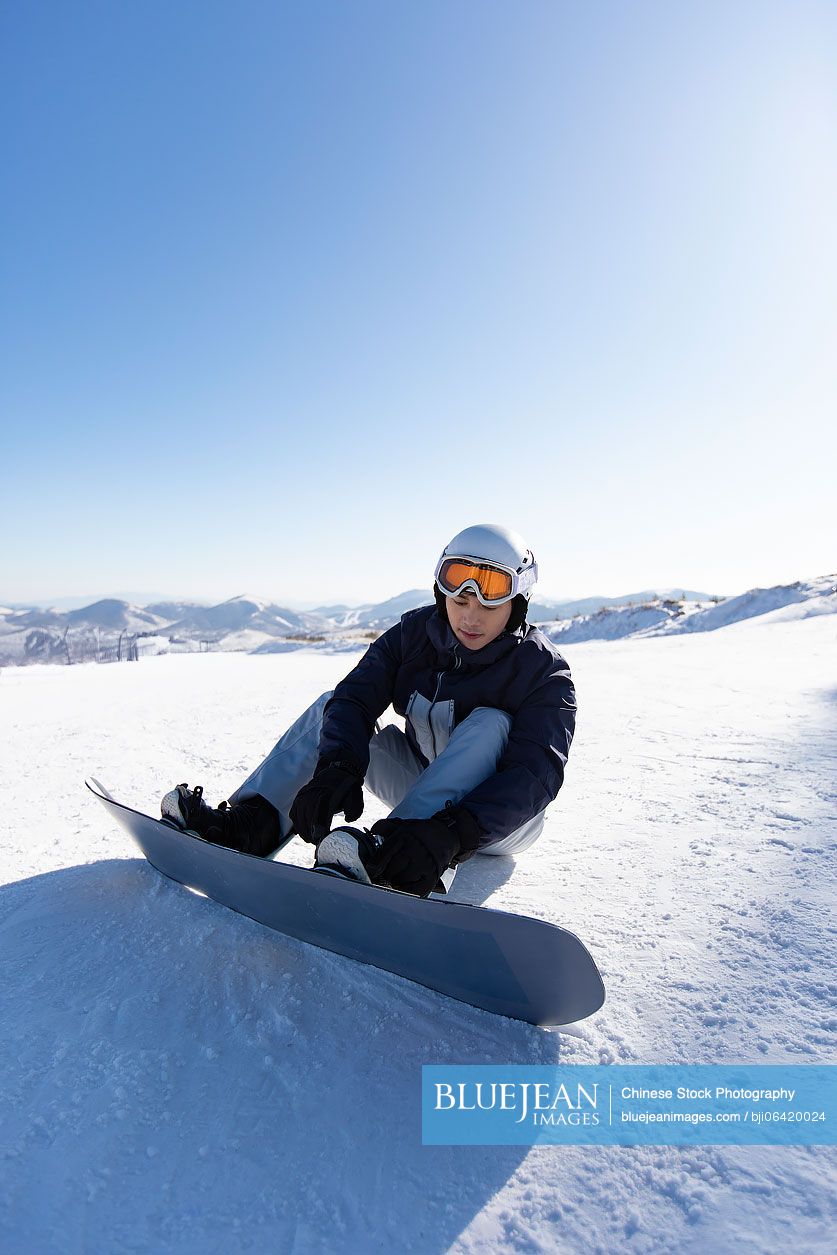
[{"x": 474, "y": 624}]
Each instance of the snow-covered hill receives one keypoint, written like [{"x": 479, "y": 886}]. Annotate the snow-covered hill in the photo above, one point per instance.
[
  {"x": 241, "y": 623},
  {"x": 240, "y": 614},
  {"x": 114, "y": 616},
  {"x": 378, "y": 616},
  {"x": 177, "y": 1078},
  {"x": 171, "y": 611},
  {"x": 788, "y": 601},
  {"x": 541, "y": 611},
  {"x": 611, "y": 623},
  {"x": 665, "y": 617},
  {"x": 252, "y": 625}
]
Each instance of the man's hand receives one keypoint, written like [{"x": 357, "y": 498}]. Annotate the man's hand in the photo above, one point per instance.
[
  {"x": 415, "y": 852},
  {"x": 335, "y": 786}
]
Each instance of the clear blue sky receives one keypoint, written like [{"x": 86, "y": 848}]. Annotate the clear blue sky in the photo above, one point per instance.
[{"x": 291, "y": 292}]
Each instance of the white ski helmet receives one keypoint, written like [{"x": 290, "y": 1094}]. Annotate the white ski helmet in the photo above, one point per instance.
[{"x": 494, "y": 562}]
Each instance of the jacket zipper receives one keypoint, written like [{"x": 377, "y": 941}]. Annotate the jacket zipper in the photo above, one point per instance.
[{"x": 442, "y": 674}]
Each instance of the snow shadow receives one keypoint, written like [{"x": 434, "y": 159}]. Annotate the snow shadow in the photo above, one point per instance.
[
  {"x": 178, "y": 1077},
  {"x": 475, "y": 881},
  {"x": 479, "y": 877}
]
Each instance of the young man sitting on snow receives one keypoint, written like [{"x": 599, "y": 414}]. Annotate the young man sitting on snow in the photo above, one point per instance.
[{"x": 489, "y": 709}]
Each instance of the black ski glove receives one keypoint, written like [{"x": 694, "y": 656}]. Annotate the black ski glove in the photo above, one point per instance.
[
  {"x": 335, "y": 786},
  {"x": 415, "y": 852}
]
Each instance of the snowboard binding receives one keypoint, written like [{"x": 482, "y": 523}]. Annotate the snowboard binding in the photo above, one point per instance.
[{"x": 346, "y": 852}]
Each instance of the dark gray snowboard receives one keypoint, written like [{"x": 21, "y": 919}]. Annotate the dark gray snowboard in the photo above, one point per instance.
[{"x": 509, "y": 964}]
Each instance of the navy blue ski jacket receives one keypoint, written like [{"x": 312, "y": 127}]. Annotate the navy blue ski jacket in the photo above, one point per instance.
[{"x": 420, "y": 659}]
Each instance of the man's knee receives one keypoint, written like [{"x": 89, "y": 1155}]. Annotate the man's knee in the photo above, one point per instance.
[
  {"x": 519, "y": 840},
  {"x": 490, "y": 718},
  {"x": 487, "y": 726}
]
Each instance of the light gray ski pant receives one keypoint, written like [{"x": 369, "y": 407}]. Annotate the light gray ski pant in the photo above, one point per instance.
[{"x": 395, "y": 775}]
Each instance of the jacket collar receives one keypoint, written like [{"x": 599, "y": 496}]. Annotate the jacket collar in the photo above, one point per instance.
[{"x": 444, "y": 641}]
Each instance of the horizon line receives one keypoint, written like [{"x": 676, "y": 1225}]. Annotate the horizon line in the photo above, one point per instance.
[{"x": 308, "y": 605}]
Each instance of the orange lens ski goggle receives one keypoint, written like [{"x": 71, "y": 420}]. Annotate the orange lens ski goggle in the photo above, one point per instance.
[{"x": 491, "y": 584}]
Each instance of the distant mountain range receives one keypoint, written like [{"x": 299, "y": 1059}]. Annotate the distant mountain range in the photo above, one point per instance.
[{"x": 113, "y": 628}]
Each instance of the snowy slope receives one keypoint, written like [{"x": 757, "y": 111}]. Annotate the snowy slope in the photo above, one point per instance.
[
  {"x": 609, "y": 624},
  {"x": 177, "y": 1078},
  {"x": 798, "y": 600},
  {"x": 783, "y": 602}
]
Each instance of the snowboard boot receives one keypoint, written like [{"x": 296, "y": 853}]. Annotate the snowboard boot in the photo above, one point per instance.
[
  {"x": 251, "y": 826},
  {"x": 350, "y": 852}
]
